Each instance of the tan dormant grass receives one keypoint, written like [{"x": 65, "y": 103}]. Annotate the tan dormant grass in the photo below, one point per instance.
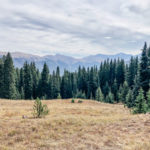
[{"x": 72, "y": 126}]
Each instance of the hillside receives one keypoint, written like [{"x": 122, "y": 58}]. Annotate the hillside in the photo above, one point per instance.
[
  {"x": 90, "y": 125},
  {"x": 64, "y": 62}
]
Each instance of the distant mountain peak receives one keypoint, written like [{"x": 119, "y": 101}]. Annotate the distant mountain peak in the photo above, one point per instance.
[{"x": 63, "y": 61}]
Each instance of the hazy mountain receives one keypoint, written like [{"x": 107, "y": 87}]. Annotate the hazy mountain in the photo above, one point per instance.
[{"x": 64, "y": 62}]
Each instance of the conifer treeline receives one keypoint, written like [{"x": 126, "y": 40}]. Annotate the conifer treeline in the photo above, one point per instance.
[{"x": 112, "y": 82}]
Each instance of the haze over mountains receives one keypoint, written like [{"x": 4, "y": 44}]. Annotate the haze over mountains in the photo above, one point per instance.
[{"x": 64, "y": 62}]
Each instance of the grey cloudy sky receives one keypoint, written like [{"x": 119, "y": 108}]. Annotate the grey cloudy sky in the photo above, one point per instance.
[{"x": 74, "y": 27}]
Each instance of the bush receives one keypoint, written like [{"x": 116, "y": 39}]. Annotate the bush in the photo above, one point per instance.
[
  {"x": 39, "y": 110},
  {"x": 80, "y": 101},
  {"x": 72, "y": 101}
]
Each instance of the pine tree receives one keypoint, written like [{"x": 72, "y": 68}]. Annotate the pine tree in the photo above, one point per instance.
[
  {"x": 39, "y": 110},
  {"x": 93, "y": 82},
  {"x": 99, "y": 95},
  {"x": 136, "y": 86},
  {"x": 131, "y": 73},
  {"x": 9, "y": 78},
  {"x": 141, "y": 106},
  {"x": 66, "y": 86},
  {"x": 144, "y": 71},
  {"x": 129, "y": 99},
  {"x": 35, "y": 79},
  {"x": 114, "y": 90},
  {"x": 106, "y": 89},
  {"x": 28, "y": 81},
  {"x": 120, "y": 72},
  {"x": 124, "y": 92},
  {"x": 110, "y": 98},
  {"x": 44, "y": 84}
]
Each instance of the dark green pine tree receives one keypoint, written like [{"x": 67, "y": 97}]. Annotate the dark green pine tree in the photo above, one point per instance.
[
  {"x": 28, "y": 82},
  {"x": 99, "y": 95},
  {"x": 44, "y": 83},
  {"x": 93, "y": 82},
  {"x": 58, "y": 81},
  {"x": 131, "y": 73},
  {"x": 124, "y": 92},
  {"x": 55, "y": 83},
  {"x": 141, "y": 106},
  {"x": 129, "y": 99},
  {"x": 64, "y": 86},
  {"x": 9, "y": 78},
  {"x": 74, "y": 84},
  {"x": 110, "y": 98},
  {"x": 144, "y": 70},
  {"x": 136, "y": 86},
  {"x": 114, "y": 90},
  {"x": 106, "y": 89},
  {"x": 17, "y": 81},
  {"x": 35, "y": 79},
  {"x": 55, "y": 87},
  {"x": 21, "y": 84},
  {"x": 120, "y": 72}
]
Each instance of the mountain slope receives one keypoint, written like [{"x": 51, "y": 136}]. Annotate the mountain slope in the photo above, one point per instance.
[{"x": 64, "y": 62}]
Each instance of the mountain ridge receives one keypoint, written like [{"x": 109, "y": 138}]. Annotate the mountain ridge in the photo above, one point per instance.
[{"x": 63, "y": 61}]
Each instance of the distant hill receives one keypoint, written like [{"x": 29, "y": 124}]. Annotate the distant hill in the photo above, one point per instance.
[{"x": 64, "y": 62}]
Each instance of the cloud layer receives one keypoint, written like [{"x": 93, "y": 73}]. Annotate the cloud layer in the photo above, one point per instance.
[{"x": 75, "y": 27}]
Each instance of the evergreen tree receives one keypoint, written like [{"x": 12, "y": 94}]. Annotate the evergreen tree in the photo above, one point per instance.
[
  {"x": 93, "y": 82},
  {"x": 110, "y": 98},
  {"x": 114, "y": 90},
  {"x": 129, "y": 99},
  {"x": 124, "y": 92},
  {"x": 99, "y": 95},
  {"x": 144, "y": 71},
  {"x": 9, "y": 78},
  {"x": 106, "y": 89},
  {"x": 35, "y": 79},
  {"x": 44, "y": 84},
  {"x": 141, "y": 106},
  {"x": 28, "y": 82},
  {"x": 66, "y": 86},
  {"x": 136, "y": 86},
  {"x": 131, "y": 73},
  {"x": 120, "y": 72}
]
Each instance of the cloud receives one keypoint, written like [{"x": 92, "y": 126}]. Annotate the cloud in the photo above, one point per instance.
[{"x": 75, "y": 27}]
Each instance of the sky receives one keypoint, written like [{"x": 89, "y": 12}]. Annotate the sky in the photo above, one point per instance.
[{"x": 74, "y": 27}]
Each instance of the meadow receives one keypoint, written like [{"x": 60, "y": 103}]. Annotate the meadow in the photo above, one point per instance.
[{"x": 90, "y": 125}]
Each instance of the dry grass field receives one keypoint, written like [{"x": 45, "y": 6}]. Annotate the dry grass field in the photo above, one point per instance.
[{"x": 72, "y": 126}]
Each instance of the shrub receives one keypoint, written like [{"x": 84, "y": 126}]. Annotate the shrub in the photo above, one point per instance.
[
  {"x": 80, "y": 101},
  {"x": 72, "y": 101},
  {"x": 39, "y": 110}
]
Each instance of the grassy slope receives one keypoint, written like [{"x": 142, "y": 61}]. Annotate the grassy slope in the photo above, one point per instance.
[{"x": 87, "y": 126}]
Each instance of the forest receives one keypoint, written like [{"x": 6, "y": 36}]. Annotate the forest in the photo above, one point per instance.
[{"x": 114, "y": 81}]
